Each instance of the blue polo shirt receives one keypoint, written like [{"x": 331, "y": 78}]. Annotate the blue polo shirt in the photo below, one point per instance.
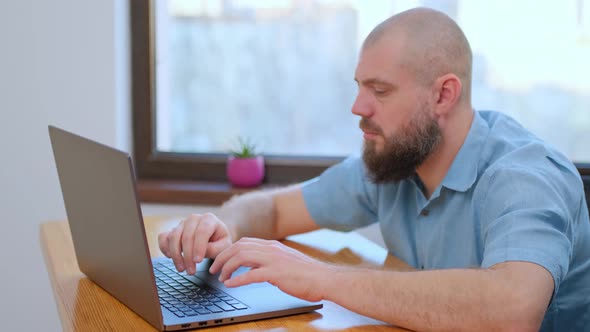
[{"x": 508, "y": 196}]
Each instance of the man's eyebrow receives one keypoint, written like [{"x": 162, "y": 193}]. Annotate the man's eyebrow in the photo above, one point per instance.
[{"x": 375, "y": 81}]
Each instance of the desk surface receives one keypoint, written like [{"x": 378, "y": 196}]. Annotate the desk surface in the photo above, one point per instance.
[{"x": 83, "y": 305}]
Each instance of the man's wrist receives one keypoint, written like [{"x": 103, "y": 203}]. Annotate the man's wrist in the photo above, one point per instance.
[{"x": 327, "y": 279}]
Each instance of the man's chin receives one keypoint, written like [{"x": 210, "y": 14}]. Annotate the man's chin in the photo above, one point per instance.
[
  {"x": 383, "y": 169},
  {"x": 373, "y": 147}
]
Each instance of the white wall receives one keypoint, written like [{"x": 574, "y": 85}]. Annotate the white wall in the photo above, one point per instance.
[{"x": 62, "y": 62}]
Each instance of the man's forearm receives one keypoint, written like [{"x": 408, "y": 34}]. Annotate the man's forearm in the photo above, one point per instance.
[
  {"x": 269, "y": 214},
  {"x": 251, "y": 214},
  {"x": 438, "y": 300}
]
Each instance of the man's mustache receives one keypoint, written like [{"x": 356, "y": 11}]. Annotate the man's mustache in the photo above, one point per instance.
[{"x": 367, "y": 125}]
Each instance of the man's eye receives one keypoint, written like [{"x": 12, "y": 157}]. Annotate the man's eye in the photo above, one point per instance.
[{"x": 380, "y": 92}]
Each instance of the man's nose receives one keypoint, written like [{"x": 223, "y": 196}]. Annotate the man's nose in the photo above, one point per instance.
[{"x": 362, "y": 106}]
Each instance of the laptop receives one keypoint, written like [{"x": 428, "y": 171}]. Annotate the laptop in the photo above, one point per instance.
[{"x": 106, "y": 223}]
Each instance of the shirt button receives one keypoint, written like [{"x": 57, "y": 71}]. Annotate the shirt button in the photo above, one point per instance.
[{"x": 425, "y": 213}]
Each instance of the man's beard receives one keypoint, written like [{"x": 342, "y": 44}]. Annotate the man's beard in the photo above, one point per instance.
[{"x": 403, "y": 151}]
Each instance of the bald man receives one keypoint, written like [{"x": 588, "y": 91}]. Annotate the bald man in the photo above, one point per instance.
[{"x": 452, "y": 189}]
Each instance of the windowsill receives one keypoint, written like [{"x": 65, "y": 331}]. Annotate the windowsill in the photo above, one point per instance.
[{"x": 188, "y": 192}]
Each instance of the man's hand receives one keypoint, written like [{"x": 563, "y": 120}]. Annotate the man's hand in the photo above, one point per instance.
[
  {"x": 288, "y": 269},
  {"x": 197, "y": 237}
]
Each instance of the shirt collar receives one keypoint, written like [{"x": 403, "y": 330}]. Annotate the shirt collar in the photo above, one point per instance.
[{"x": 464, "y": 170}]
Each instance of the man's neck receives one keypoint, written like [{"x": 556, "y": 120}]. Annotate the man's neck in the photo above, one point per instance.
[{"x": 437, "y": 165}]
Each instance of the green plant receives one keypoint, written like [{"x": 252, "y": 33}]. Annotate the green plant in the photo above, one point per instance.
[{"x": 246, "y": 149}]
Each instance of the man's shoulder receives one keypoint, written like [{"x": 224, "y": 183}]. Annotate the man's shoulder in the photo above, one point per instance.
[
  {"x": 509, "y": 145},
  {"x": 531, "y": 170},
  {"x": 505, "y": 130},
  {"x": 536, "y": 159},
  {"x": 510, "y": 151}
]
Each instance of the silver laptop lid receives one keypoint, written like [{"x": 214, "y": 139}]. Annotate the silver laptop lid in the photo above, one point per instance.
[{"x": 105, "y": 220}]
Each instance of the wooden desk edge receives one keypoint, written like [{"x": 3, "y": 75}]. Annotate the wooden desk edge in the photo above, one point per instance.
[
  {"x": 52, "y": 229},
  {"x": 45, "y": 248}
]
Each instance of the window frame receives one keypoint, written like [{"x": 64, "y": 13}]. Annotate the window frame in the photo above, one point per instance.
[{"x": 152, "y": 164}]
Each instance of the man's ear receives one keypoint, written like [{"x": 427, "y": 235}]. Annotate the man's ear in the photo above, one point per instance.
[{"x": 448, "y": 93}]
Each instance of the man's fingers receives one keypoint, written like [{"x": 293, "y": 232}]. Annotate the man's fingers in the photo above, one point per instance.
[
  {"x": 248, "y": 251},
  {"x": 214, "y": 248},
  {"x": 175, "y": 246},
  {"x": 226, "y": 254},
  {"x": 188, "y": 243},
  {"x": 247, "y": 258},
  {"x": 188, "y": 236},
  {"x": 204, "y": 231},
  {"x": 250, "y": 277},
  {"x": 163, "y": 243}
]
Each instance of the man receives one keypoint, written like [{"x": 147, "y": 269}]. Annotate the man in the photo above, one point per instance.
[{"x": 494, "y": 220}]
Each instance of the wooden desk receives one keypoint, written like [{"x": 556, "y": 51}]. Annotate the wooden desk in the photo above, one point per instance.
[{"x": 84, "y": 306}]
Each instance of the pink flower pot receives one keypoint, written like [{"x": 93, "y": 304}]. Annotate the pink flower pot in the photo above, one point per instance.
[{"x": 245, "y": 172}]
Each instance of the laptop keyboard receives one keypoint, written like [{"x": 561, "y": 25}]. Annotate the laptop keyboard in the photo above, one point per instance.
[{"x": 185, "y": 298}]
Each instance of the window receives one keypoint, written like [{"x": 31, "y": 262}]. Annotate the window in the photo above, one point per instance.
[{"x": 280, "y": 73}]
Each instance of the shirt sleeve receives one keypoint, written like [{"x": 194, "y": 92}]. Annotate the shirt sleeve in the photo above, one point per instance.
[
  {"x": 530, "y": 215},
  {"x": 342, "y": 198}
]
